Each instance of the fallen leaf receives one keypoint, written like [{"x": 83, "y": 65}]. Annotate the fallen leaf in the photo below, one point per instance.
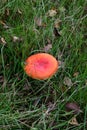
[
  {"x": 4, "y": 84},
  {"x": 67, "y": 81},
  {"x": 38, "y": 21},
  {"x": 4, "y": 25},
  {"x": 47, "y": 47},
  {"x": 61, "y": 64},
  {"x": 49, "y": 41},
  {"x": 73, "y": 106},
  {"x": 52, "y": 12},
  {"x": 3, "y": 1},
  {"x": 51, "y": 107},
  {"x": 63, "y": 89},
  {"x": 57, "y": 23},
  {"x": 60, "y": 54},
  {"x": 2, "y": 22},
  {"x": 76, "y": 74},
  {"x": 2, "y": 40},
  {"x": 26, "y": 87},
  {"x": 7, "y": 12},
  {"x": 73, "y": 121},
  {"x": 17, "y": 39},
  {"x": 56, "y": 32},
  {"x": 44, "y": 25},
  {"x": 1, "y": 79}
]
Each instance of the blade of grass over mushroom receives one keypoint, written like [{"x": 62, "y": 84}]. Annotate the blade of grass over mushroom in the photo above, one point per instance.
[{"x": 28, "y": 27}]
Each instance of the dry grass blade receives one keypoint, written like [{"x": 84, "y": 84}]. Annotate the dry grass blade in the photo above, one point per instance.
[{"x": 19, "y": 11}]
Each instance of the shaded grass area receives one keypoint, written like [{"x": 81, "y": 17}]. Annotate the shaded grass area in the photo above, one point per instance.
[{"x": 25, "y": 102}]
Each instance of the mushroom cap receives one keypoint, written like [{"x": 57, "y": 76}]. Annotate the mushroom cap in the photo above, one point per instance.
[{"x": 41, "y": 66}]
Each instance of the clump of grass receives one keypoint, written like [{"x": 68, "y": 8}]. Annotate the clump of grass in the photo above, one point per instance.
[{"x": 30, "y": 104}]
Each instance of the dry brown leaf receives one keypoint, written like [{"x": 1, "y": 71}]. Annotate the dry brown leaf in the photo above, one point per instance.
[
  {"x": 2, "y": 40},
  {"x": 51, "y": 107},
  {"x": 2, "y": 22},
  {"x": 1, "y": 79},
  {"x": 76, "y": 74},
  {"x": 52, "y": 12},
  {"x": 73, "y": 121},
  {"x": 73, "y": 106},
  {"x": 60, "y": 54},
  {"x": 61, "y": 64},
  {"x": 4, "y": 84},
  {"x": 56, "y": 32},
  {"x": 63, "y": 89},
  {"x": 4, "y": 25},
  {"x": 57, "y": 23},
  {"x": 67, "y": 81},
  {"x": 49, "y": 41},
  {"x": 26, "y": 87},
  {"x": 38, "y": 21},
  {"x": 47, "y": 47},
  {"x": 7, "y": 12},
  {"x": 16, "y": 39},
  {"x": 3, "y": 1}
]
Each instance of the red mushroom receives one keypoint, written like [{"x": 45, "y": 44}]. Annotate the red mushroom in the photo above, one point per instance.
[{"x": 41, "y": 66}]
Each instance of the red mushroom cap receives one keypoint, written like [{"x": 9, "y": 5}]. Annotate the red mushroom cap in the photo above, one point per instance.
[{"x": 41, "y": 66}]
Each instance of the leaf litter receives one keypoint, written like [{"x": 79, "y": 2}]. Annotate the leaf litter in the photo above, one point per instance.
[
  {"x": 1, "y": 79},
  {"x": 5, "y": 26},
  {"x": 48, "y": 46},
  {"x": 73, "y": 121},
  {"x": 52, "y": 12},
  {"x": 17, "y": 39},
  {"x": 76, "y": 74},
  {"x": 56, "y": 32},
  {"x": 68, "y": 81},
  {"x": 38, "y": 21},
  {"x": 57, "y": 23},
  {"x": 73, "y": 106},
  {"x": 3, "y": 41},
  {"x": 7, "y": 12}
]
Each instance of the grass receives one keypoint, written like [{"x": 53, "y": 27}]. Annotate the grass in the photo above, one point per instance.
[{"x": 26, "y": 103}]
